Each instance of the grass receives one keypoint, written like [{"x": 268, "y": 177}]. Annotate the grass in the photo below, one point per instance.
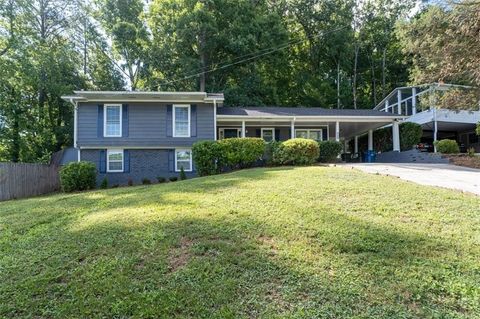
[{"x": 298, "y": 243}]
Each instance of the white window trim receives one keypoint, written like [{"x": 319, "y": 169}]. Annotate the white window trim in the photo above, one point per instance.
[
  {"x": 189, "y": 119},
  {"x": 269, "y": 129},
  {"x": 105, "y": 120},
  {"x": 176, "y": 161},
  {"x": 123, "y": 161},
  {"x": 311, "y": 129},
  {"x": 222, "y": 131}
]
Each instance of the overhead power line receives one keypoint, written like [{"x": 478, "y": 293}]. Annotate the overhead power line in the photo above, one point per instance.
[{"x": 256, "y": 55}]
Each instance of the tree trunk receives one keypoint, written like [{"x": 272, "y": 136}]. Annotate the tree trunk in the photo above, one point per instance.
[
  {"x": 355, "y": 67},
  {"x": 338, "y": 84},
  {"x": 384, "y": 58},
  {"x": 374, "y": 83},
  {"x": 203, "y": 62}
]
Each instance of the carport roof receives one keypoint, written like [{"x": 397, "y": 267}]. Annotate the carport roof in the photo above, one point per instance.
[{"x": 272, "y": 111}]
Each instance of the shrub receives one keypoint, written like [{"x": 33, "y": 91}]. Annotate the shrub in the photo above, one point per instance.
[
  {"x": 183, "y": 176},
  {"x": 104, "y": 183},
  {"x": 209, "y": 157},
  {"x": 242, "y": 152},
  {"x": 173, "y": 179},
  {"x": 471, "y": 152},
  {"x": 146, "y": 181},
  {"x": 447, "y": 146},
  {"x": 130, "y": 182},
  {"x": 329, "y": 151},
  {"x": 478, "y": 128},
  {"x": 78, "y": 176},
  {"x": 161, "y": 179},
  {"x": 270, "y": 148},
  {"x": 410, "y": 135},
  {"x": 297, "y": 151}
]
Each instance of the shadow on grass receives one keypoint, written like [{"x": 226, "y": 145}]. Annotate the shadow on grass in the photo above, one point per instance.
[{"x": 224, "y": 266}]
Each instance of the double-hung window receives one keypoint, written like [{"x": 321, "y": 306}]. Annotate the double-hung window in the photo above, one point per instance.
[
  {"x": 183, "y": 158},
  {"x": 114, "y": 161},
  {"x": 112, "y": 120},
  {"x": 181, "y": 121},
  {"x": 268, "y": 134}
]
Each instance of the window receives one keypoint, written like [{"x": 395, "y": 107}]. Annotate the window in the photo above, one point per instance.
[
  {"x": 310, "y": 134},
  {"x": 114, "y": 161},
  {"x": 230, "y": 133},
  {"x": 268, "y": 134},
  {"x": 183, "y": 158},
  {"x": 181, "y": 120},
  {"x": 112, "y": 120}
]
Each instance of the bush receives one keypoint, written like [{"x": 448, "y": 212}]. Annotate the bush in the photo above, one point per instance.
[
  {"x": 270, "y": 148},
  {"x": 447, "y": 146},
  {"x": 183, "y": 176},
  {"x": 173, "y": 179},
  {"x": 329, "y": 151},
  {"x": 297, "y": 151},
  {"x": 478, "y": 128},
  {"x": 104, "y": 183},
  {"x": 410, "y": 135},
  {"x": 146, "y": 181},
  {"x": 161, "y": 179},
  {"x": 242, "y": 152},
  {"x": 78, "y": 176},
  {"x": 471, "y": 152},
  {"x": 209, "y": 157}
]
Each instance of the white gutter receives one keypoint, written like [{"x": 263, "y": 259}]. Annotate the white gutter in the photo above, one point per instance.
[{"x": 75, "y": 127}]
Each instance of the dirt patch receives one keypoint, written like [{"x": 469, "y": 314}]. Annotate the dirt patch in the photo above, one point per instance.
[
  {"x": 269, "y": 242},
  {"x": 465, "y": 160},
  {"x": 179, "y": 256}
]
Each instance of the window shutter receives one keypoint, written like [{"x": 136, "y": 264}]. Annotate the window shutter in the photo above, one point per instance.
[
  {"x": 126, "y": 161},
  {"x": 193, "y": 121},
  {"x": 258, "y": 132},
  {"x": 289, "y": 133},
  {"x": 169, "y": 124},
  {"x": 103, "y": 162},
  {"x": 277, "y": 135},
  {"x": 171, "y": 161},
  {"x": 325, "y": 134},
  {"x": 125, "y": 120},
  {"x": 100, "y": 121}
]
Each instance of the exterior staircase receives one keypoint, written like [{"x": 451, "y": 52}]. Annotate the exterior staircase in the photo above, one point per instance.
[{"x": 412, "y": 156}]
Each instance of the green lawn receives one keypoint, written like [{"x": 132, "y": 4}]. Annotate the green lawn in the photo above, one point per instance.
[{"x": 303, "y": 243}]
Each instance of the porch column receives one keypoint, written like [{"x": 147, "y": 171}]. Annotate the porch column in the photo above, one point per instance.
[
  {"x": 292, "y": 129},
  {"x": 356, "y": 144},
  {"x": 243, "y": 129},
  {"x": 396, "y": 137},
  {"x": 345, "y": 146},
  {"x": 435, "y": 129},
  {"x": 370, "y": 140},
  {"x": 414, "y": 101},
  {"x": 337, "y": 131},
  {"x": 399, "y": 101}
]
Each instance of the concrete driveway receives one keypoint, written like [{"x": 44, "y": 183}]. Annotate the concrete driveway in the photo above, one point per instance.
[{"x": 442, "y": 175}]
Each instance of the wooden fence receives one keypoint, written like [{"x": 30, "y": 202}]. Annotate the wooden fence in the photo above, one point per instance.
[{"x": 18, "y": 180}]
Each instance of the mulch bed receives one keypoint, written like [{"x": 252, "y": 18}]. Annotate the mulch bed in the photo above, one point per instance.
[{"x": 464, "y": 160}]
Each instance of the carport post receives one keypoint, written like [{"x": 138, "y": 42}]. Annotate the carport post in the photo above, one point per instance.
[
  {"x": 337, "y": 131},
  {"x": 399, "y": 101},
  {"x": 243, "y": 129},
  {"x": 370, "y": 140},
  {"x": 356, "y": 144},
  {"x": 292, "y": 129},
  {"x": 396, "y": 136},
  {"x": 414, "y": 100}
]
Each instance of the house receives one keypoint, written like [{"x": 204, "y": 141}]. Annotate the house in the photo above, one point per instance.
[{"x": 137, "y": 135}]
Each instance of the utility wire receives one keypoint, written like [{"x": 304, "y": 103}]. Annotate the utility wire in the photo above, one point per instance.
[{"x": 258, "y": 54}]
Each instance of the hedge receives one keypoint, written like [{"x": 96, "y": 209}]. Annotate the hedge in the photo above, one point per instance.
[
  {"x": 78, "y": 176},
  {"x": 297, "y": 151},
  {"x": 242, "y": 152},
  {"x": 329, "y": 151},
  {"x": 209, "y": 157},
  {"x": 447, "y": 146}
]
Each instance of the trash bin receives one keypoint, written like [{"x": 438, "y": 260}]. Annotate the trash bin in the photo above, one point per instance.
[{"x": 369, "y": 156}]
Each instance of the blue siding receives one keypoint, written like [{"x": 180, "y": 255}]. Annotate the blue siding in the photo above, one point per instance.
[
  {"x": 147, "y": 126},
  {"x": 142, "y": 164}
]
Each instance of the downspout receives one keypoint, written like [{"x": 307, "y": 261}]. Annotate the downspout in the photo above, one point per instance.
[
  {"x": 75, "y": 125},
  {"x": 215, "y": 120}
]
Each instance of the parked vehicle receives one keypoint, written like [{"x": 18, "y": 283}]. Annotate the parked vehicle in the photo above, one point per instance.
[{"x": 425, "y": 147}]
